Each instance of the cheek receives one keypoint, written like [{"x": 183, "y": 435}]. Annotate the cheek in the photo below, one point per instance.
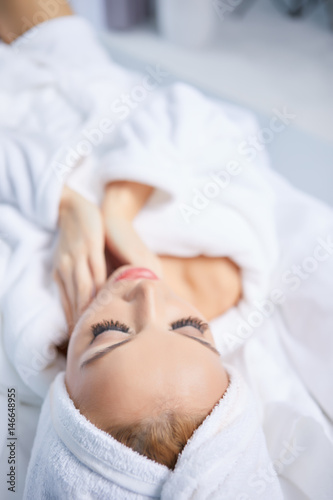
[
  {"x": 76, "y": 346},
  {"x": 71, "y": 375},
  {"x": 210, "y": 338}
]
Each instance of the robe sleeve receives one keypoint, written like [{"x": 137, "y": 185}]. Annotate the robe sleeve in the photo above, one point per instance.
[{"x": 27, "y": 179}]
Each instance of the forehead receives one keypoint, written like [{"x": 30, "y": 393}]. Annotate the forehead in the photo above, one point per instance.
[
  {"x": 132, "y": 398},
  {"x": 138, "y": 375}
]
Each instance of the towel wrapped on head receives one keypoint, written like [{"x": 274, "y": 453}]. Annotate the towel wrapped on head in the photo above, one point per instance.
[{"x": 225, "y": 457}]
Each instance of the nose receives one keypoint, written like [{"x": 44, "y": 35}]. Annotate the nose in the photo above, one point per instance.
[{"x": 147, "y": 299}]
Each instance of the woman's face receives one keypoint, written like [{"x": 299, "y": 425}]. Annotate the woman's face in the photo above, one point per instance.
[{"x": 139, "y": 349}]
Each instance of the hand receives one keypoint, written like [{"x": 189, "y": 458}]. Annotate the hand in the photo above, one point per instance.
[
  {"x": 80, "y": 268},
  {"x": 122, "y": 202}
]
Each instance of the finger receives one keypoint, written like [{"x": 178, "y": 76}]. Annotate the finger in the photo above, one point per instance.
[
  {"x": 83, "y": 284},
  {"x": 66, "y": 272},
  {"x": 98, "y": 268},
  {"x": 64, "y": 299}
]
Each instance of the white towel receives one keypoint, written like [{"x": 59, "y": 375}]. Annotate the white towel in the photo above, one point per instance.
[
  {"x": 238, "y": 223},
  {"x": 287, "y": 359},
  {"x": 72, "y": 459}
]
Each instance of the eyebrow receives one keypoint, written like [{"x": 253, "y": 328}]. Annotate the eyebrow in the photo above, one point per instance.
[{"x": 112, "y": 347}]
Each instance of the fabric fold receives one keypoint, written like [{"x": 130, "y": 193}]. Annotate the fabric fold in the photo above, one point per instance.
[{"x": 73, "y": 459}]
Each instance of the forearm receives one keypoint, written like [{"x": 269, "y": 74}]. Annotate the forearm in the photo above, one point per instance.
[
  {"x": 124, "y": 199},
  {"x": 17, "y": 16}
]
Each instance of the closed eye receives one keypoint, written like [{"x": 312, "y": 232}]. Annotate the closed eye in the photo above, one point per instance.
[
  {"x": 131, "y": 338},
  {"x": 190, "y": 321},
  {"x": 110, "y": 325}
]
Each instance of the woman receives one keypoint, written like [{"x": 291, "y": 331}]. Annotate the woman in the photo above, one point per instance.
[
  {"x": 158, "y": 385},
  {"x": 138, "y": 297}
]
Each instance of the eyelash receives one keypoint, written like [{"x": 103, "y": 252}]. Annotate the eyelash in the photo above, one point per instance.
[
  {"x": 190, "y": 321},
  {"x": 121, "y": 327},
  {"x": 109, "y": 325}
]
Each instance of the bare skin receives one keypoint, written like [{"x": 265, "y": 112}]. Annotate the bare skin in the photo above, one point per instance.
[
  {"x": 160, "y": 364},
  {"x": 159, "y": 367},
  {"x": 18, "y": 16},
  {"x": 212, "y": 284},
  {"x": 168, "y": 359}
]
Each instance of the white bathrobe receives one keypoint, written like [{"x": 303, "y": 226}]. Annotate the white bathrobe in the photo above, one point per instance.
[{"x": 209, "y": 199}]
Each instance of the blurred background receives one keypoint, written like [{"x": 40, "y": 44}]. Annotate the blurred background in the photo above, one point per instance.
[{"x": 261, "y": 54}]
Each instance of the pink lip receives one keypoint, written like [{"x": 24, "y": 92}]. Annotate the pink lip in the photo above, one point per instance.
[{"x": 136, "y": 273}]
